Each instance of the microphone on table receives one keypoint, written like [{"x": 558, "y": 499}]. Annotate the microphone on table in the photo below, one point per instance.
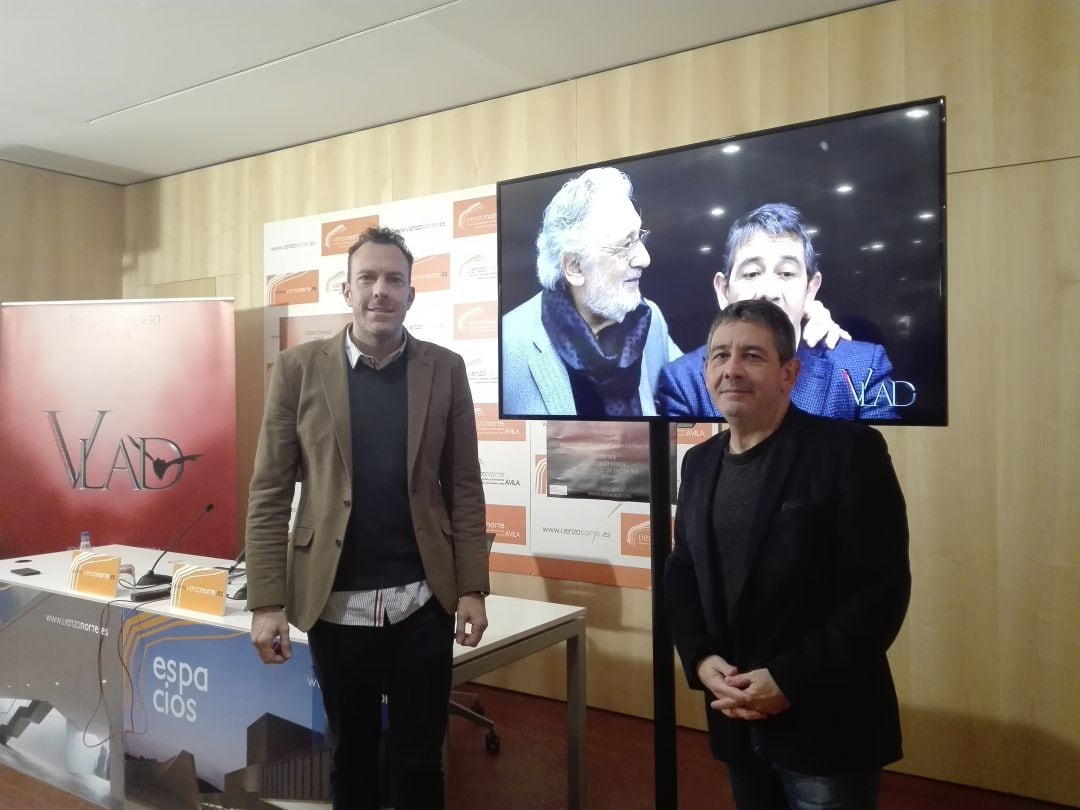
[
  {"x": 151, "y": 578},
  {"x": 239, "y": 559},
  {"x": 241, "y": 592}
]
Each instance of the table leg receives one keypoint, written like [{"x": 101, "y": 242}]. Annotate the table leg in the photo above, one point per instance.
[{"x": 575, "y": 717}]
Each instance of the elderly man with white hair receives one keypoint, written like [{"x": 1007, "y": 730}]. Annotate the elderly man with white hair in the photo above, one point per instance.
[{"x": 587, "y": 344}]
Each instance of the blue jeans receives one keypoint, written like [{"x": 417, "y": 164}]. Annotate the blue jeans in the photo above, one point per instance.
[{"x": 757, "y": 785}]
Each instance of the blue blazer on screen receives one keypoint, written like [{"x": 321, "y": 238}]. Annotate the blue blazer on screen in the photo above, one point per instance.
[{"x": 821, "y": 388}]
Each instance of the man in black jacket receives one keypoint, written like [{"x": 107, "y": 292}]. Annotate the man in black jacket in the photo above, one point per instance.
[{"x": 789, "y": 580}]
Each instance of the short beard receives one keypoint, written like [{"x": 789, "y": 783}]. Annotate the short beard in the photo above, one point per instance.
[{"x": 610, "y": 304}]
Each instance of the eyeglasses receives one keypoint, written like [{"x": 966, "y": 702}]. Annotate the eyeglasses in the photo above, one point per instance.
[{"x": 629, "y": 247}]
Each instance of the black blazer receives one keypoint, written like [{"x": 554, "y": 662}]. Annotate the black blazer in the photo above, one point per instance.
[{"x": 823, "y": 596}]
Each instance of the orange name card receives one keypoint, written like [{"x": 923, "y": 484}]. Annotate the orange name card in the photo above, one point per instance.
[
  {"x": 95, "y": 574},
  {"x": 199, "y": 589}
]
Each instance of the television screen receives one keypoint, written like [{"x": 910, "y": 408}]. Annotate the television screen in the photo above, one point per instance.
[{"x": 610, "y": 275}]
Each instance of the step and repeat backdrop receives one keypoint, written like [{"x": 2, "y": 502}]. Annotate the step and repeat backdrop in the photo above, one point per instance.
[{"x": 566, "y": 500}]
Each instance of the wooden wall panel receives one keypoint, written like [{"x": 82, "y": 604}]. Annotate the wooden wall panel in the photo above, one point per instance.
[
  {"x": 189, "y": 226},
  {"x": 61, "y": 237},
  {"x": 1010, "y": 72},
  {"x": 988, "y": 657},
  {"x": 506, "y": 137},
  {"x": 352, "y": 170},
  {"x": 731, "y": 88},
  {"x": 996, "y": 558},
  {"x": 283, "y": 185}
]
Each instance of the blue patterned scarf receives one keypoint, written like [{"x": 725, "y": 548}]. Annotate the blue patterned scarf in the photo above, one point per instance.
[{"x": 604, "y": 369}]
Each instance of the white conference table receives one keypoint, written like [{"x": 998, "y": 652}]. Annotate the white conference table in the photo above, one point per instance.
[{"x": 517, "y": 629}]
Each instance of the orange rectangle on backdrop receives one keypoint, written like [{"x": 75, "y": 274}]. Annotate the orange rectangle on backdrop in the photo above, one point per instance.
[
  {"x": 293, "y": 288},
  {"x": 507, "y": 522},
  {"x": 694, "y": 434},
  {"x": 340, "y": 235},
  {"x": 635, "y": 532},
  {"x": 479, "y": 319},
  {"x": 475, "y": 216},
  {"x": 431, "y": 273}
]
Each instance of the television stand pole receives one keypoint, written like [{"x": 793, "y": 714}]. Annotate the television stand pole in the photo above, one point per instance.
[{"x": 663, "y": 659}]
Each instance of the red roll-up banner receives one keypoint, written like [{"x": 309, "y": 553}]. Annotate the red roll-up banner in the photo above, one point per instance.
[{"x": 117, "y": 418}]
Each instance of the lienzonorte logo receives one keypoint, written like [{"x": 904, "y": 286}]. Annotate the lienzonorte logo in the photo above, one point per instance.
[
  {"x": 490, "y": 428},
  {"x": 693, "y": 434},
  {"x": 476, "y": 320},
  {"x": 540, "y": 475},
  {"x": 636, "y": 535},
  {"x": 477, "y": 267},
  {"x": 340, "y": 235},
  {"x": 475, "y": 216},
  {"x": 148, "y": 462},
  {"x": 496, "y": 478},
  {"x": 301, "y": 287},
  {"x": 895, "y": 393},
  {"x": 431, "y": 273},
  {"x": 481, "y": 369},
  {"x": 507, "y": 523}
]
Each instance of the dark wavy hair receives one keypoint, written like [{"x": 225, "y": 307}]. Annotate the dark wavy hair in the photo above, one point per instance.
[
  {"x": 763, "y": 313},
  {"x": 776, "y": 220}
]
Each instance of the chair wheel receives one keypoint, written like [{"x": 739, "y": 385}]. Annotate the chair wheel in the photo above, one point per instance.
[
  {"x": 492, "y": 742},
  {"x": 478, "y": 707}
]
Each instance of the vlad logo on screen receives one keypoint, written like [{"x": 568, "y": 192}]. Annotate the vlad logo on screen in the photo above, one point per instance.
[
  {"x": 894, "y": 393},
  {"x": 152, "y": 463}
]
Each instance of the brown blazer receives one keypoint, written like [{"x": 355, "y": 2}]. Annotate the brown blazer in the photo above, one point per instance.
[{"x": 306, "y": 436}]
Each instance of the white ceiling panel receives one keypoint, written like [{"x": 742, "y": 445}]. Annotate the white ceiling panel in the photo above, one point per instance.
[
  {"x": 100, "y": 56},
  {"x": 124, "y": 90}
]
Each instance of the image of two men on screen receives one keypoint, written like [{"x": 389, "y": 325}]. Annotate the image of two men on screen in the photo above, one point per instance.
[{"x": 590, "y": 344}]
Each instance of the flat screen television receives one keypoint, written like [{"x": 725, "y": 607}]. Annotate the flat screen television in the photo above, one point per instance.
[{"x": 605, "y": 297}]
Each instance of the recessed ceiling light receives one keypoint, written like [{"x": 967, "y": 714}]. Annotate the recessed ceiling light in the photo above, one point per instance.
[
  {"x": 877, "y": 245},
  {"x": 731, "y": 149},
  {"x": 717, "y": 212},
  {"x": 916, "y": 241},
  {"x": 812, "y": 231},
  {"x": 705, "y": 248},
  {"x": 917, "y": 113},
  {"x": 845, "y": 188},
  {"x": 926, "y": 215}
]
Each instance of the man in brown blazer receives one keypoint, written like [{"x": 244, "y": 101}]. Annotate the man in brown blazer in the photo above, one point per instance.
[{"x": 389, "y": 541}]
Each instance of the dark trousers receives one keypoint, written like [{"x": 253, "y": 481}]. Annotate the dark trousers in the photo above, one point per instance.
[
  {"x": 757, "y": 785},
  {"x": 411, "y": 663}
]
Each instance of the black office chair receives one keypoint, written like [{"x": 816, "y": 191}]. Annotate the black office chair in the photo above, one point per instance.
[{"x": 476, "y": 714}]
